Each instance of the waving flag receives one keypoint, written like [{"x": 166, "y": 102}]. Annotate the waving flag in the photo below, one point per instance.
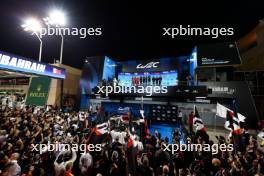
[
  {"x": 232, "y": 123},
  {"x": 241, "y": 118},
  {"x": 197, "y": 121},
  {"x": 101, "y": 129},
  {"x": 221, "y": 111}
]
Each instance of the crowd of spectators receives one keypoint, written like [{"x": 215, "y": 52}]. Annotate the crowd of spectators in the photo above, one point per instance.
[{"x": 21, "y": 129}]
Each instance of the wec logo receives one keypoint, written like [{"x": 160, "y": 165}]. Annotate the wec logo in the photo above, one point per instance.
[{"x": 148, "y": 65}]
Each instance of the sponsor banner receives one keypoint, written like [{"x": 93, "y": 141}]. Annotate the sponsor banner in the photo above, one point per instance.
[
  {"x": 20, "y": 64},
  {"x": 38, "y": 91}
]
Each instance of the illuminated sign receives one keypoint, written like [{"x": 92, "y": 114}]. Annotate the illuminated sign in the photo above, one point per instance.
[
  {"x": 20, "y": 64},
  {"x": 148, "y": 65},
  {"x": 180, "y": 63}
]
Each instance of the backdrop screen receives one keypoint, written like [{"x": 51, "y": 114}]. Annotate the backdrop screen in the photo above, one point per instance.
[{"x": 164, "y": 78}]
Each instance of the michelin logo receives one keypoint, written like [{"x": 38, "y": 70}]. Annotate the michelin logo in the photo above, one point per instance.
[{"x": 20, "y": 63}]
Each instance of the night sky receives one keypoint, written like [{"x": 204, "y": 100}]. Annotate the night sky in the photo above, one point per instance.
[{"x": 131, "y": 29}]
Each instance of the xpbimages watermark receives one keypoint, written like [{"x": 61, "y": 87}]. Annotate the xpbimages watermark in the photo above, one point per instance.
[
  {"x": 80, "y": 32},
  {"x": 58, "y": 147},
  {"x": 188, "y": 30},
  {"x": 148, "y": 90},
  {"x": 215, "y": 148}
]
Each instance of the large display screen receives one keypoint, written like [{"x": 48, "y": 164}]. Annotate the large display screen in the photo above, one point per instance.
[
  {"x": 164, "y": 78},
  {"x": 20, "y": 64},
  {"x": 181, "y": 64},
  {"x": 218, "y": 54}
]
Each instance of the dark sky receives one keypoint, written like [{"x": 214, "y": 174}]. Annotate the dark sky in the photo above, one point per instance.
[{"x": 131, "y": 29}]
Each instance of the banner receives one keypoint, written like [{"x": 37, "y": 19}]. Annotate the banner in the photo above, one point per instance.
[
  {"x": 38, "y": 91},
  {"x": 21, "y": 64}
]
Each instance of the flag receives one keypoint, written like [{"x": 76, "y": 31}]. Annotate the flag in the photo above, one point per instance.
[
  {"x": 236, "y": 121},
  {"x": 101, "y": 129},
  {"x": 99, "y": 134},
  {"x": 232, "y": 123},
  {"x": 56, "y": 71},
  {"x": 221, "y": 110},
  {"x": 241, "y": 118},
  {"x": 197, "y": 121}
]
